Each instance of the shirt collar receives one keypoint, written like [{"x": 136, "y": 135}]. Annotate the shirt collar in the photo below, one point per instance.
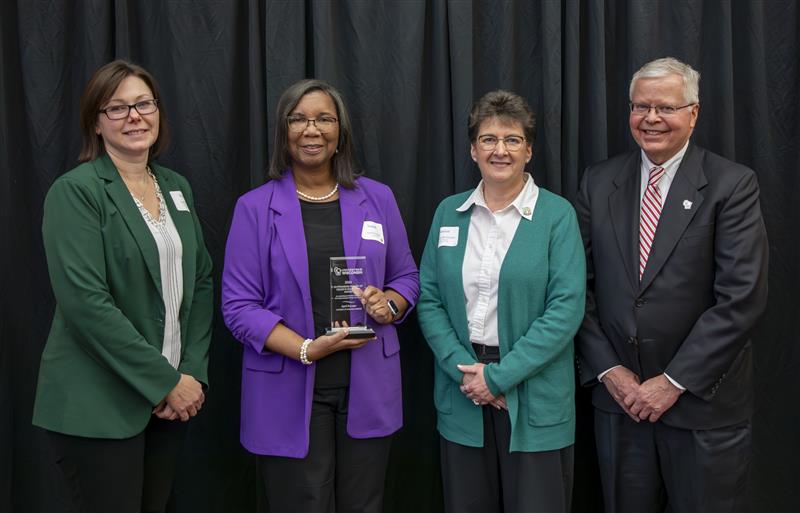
[
  {"x": 670, "y": 166},
  {"x": 524, "y": 203}
]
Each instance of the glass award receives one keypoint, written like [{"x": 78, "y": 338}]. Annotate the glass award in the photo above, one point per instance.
[{"x": 348, "y": 280}]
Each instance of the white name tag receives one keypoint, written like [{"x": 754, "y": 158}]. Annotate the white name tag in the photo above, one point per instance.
[
  {"x": 178, "y": 199},
  {"x": 448, "y": 236},
  {"x": 372, "y": 231}
]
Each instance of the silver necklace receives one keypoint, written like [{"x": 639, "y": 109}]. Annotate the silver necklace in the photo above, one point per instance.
[
  {"x": 141, "y": 196},
  {"x": 318, "y": 198}
]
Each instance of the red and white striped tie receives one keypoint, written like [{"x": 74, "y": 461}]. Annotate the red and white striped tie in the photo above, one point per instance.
[{"x": 648, "y": 220}]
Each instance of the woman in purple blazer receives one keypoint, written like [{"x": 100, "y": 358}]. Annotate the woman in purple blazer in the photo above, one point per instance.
[{"x": 318, "y": 409}]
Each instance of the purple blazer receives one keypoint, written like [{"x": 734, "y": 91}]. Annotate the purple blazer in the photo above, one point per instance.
[{"x": 265, "y": 281}]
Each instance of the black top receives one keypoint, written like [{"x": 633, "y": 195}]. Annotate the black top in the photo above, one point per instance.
[{"x": 322, "y": 223}]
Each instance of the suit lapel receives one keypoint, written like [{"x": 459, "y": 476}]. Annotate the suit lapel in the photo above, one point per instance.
[
  {"x": 353, "y": 216},
  {"x": 289, "y": 225},
  {"x": 675, "y": 217},
  {"x": 623, "y": 206},
  {"x": 122, "y": 200}
]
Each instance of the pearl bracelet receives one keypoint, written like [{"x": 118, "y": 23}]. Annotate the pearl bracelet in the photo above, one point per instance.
[{"x": 304, "y": 352}]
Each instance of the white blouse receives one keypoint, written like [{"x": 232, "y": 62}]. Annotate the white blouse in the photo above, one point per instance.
[
  {"x": 170, "y": 257},
  {"x": 488, "y": 239}
]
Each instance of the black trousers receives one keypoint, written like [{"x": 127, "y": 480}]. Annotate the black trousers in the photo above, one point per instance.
[
  {"x": 492, "y": 479},
  {"x": 125, "y": 476},
  {"x": 652, "y": 467},
  {"x": 340, "y": 473}
]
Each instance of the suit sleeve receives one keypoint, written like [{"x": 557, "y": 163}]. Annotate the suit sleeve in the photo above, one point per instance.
[
  {"x": 432, "y": 313},
  {"x": 73, "y": 244},
  {"x": 740, "y": 290},
  {"x": 243, "y": 294},
  {"x": 594, "y": 350},
  {"x": 551, "y": 332},
  {"x": 402, "y": 275},
  {"x": 198, "y": 327}
]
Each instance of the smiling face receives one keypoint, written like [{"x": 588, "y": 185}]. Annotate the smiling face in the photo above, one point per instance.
[
  {"x": 500, "y": 167},
  {"x": 660, "y": 136},
  {"x": 312, "y": 150},
  {"x": 129, "y": 138}
]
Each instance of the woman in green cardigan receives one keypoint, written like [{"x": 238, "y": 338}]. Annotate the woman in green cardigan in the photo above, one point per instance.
[
  {"x": 502, "y": 294},
  {"x": 127, "y": 354}
]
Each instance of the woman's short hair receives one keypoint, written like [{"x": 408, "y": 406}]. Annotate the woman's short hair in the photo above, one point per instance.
[
  {"x": 99, "y": 90},
  {"x": 665, "y": 67},
  {"x": 344, "y": 165},
  {"x": 508, "y": 107}
]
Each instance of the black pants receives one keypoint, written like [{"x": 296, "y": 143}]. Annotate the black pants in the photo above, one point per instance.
[
  {"x": 339, "y": 474},
  {"x": 129, "y": 475},
  {"x": 492, "y": 479},
  {"x": 652, "y": 467}
]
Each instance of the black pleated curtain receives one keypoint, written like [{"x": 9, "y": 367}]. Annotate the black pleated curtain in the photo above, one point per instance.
[{"x": 409, "y": 71}]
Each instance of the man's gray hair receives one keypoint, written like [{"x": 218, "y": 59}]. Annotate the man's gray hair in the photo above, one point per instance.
[{"x": 666, "y": 66}]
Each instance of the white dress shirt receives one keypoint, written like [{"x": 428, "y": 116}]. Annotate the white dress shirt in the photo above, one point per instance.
[
  {"x": 488, "y": 239},
  {"x": 670, "y": 169}
]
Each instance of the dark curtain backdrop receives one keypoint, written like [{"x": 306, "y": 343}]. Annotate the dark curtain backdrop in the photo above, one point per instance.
[{"x": 409, "y": 71}]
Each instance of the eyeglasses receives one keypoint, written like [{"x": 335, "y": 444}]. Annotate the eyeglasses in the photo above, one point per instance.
[
  {"x": 511, "y": 142},
  {"x": 143, "y": 107},
  {"x": 324, "y": 124},
  {"x": 642, "y": 109}
]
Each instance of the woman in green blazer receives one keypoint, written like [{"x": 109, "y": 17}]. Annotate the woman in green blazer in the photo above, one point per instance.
[
  {"x": 502, "y": 294},
  {"x": 127, "y": 354}
]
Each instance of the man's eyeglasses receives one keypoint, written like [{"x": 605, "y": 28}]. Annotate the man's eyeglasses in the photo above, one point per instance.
[
  {"x": 143, "y": 107},
  {"x": 642, "y": 109},
  {"x": 511, "y": 142},
  {"x": 324, "y": 124}
]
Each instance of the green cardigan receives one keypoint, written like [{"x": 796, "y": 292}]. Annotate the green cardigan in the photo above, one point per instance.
[
  {"x": 102, "y": 370},
  {"x": 540, "y": 307}
]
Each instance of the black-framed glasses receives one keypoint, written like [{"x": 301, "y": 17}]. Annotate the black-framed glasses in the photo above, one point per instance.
[
  {"x": 143, "y": 107},
  {"x": 642, "y": 109},
  {"x": 324, "y": 124},
  {"x": 511, "y": 142}
]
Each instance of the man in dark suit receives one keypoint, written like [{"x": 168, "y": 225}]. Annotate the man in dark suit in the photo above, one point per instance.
[{"x": 676, "y": 256}]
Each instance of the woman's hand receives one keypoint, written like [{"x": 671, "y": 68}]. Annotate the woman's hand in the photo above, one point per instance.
[
  {"x": 185, "y": 399},
  {"x": 474, "y": 385},
  {"x": 324, "y": 345},
  {"x": 374, "y": 301}
]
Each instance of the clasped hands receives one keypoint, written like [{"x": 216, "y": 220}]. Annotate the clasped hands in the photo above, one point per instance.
[
  {"x": 473, "y": 385},
  {"x": 183, "y": 401},
  {"x": 641, "y": 401}
]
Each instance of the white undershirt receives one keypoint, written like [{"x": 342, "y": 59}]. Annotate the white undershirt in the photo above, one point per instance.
[
  {"x": 170, "y": 258},
  {"x": 489, "y": 237}
]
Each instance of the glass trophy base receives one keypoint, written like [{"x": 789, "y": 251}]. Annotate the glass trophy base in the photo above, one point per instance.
[{"x": 355, "y": 332}]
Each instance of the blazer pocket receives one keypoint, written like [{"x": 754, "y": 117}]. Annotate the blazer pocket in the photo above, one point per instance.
[
  {"x": 391, "y": 345},
  {"x": 272, "y": 362},
  {"x": 697, "y": 235}
]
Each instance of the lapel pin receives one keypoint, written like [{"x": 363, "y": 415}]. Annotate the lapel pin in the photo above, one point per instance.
[
  {"x": 526, "y": 211},
  {"x": 687, "y": 205}
]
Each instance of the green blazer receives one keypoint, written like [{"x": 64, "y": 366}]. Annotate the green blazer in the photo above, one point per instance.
[
  {"x": 102, "y": 370},
  {"x": 539, "y": 306}
]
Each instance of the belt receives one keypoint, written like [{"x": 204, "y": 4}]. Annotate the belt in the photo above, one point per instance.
[{"x": 482, "y": 350}]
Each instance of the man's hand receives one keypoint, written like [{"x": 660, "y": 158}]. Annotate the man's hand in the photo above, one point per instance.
[
  {"x": 653, "y": 397},
  {"x": 621, "y": 383}
]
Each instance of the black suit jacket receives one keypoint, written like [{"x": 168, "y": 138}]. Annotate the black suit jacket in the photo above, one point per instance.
[{"x": 704, "y": 286}]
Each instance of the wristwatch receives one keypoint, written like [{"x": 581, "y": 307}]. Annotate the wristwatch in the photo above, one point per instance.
[{"x": 393, "y": 308}]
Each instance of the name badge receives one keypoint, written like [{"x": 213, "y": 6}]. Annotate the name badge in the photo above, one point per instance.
[
  {"x": 448, "y": 236},
  {"x": 179, "y": 200},
  {"x": 372, "y": 231}
]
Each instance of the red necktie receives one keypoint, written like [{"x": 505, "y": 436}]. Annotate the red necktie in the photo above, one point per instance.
[{"x": 648, "y": 220}]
